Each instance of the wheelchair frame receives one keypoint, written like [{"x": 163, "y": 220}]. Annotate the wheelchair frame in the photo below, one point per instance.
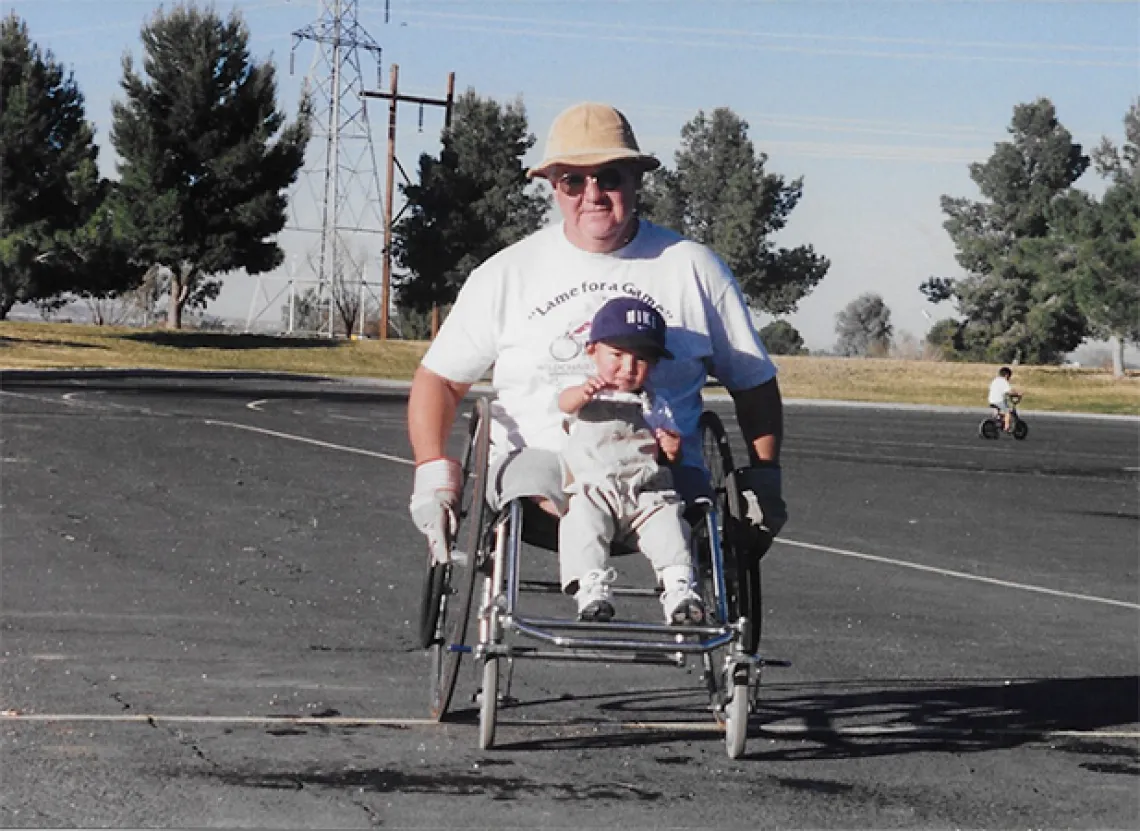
[{"x": 489, "y": 546}]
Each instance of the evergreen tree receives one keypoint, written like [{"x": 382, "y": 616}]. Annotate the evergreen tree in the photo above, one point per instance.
[
  {"x": 1010, "y": 306},
  {"x": 721, "y": 195},
  {"x": 782, "y": 338},
  {"x": 1106, "y": 237},
  {"x": 946, "y": 338},
  {"x": 470, "y": 202},
  {"x": 864, "y": 327},
  {"x": 54, "y": 235},
  {"x": 207, "y": 156}
]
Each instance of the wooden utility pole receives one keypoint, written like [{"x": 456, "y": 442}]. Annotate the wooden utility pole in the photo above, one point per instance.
[{"x": 393, "y": 96}]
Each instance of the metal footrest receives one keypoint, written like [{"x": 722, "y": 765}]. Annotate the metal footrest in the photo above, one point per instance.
[
  {"x": 673, "y": 659},
  {"x": 553, "y": 587},
  {"x": 679, "y": 640}
]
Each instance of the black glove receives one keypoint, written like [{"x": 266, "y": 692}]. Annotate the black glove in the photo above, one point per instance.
[
  {"x": 760, "y": 509},
  {"x": 759, "y": 488}
]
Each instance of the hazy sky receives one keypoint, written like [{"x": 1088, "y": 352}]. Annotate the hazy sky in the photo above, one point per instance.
[{"x": 880, "y": 105}]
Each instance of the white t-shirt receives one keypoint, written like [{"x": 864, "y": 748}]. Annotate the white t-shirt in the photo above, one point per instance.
[
  {"x": 527, "y": 312},
  {"x": 999, "y": 389}
]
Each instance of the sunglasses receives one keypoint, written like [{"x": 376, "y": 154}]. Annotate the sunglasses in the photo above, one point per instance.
[{"x": 607, "y": 179}]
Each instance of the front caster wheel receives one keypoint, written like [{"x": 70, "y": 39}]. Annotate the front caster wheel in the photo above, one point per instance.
[
  {"x": 736, "y": 720},
  {"x": 489, "y": 703}
]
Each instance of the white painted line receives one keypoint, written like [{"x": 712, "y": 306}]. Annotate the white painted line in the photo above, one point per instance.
[
  {"x": 356, "y": 420},
  {"x": 795, "y": 543},
  {"x": 51, "y": 615},
  {"x": 256, "y": 405},
  {"x": 48, "y": 400},
  {"x": 336, "y": 721},
  {"x": 68, "y": 399},
  {"x": 872, "y": 730},
  {"x": 709, "y": 726},
  {"x": 306, "y": 440},
  {"x": 993, "y": 581}
]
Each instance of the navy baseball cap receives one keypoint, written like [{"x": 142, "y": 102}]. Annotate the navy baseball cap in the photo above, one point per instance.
[{"x": 632, "y": 324}]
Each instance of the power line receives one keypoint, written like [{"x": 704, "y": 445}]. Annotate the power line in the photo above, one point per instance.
[
  {"x": 552, "y": 32},
  {"x": 690, "y": 31}
]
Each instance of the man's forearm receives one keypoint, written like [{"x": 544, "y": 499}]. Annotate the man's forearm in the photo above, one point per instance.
[
  {"x": 432, "y": 406},
  {"x": 760, "y": 413}
]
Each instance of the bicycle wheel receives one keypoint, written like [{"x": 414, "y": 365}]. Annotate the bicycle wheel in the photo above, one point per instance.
[{"x": 449, "y": 643}]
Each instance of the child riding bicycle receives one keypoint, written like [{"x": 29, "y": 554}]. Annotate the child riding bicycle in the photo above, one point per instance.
[{"x": 1003, "y": 397}]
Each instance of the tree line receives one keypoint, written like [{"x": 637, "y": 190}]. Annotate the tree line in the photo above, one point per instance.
[
  {"x": 1047, "y": 265},
  {"x": 207, "y": 158}
]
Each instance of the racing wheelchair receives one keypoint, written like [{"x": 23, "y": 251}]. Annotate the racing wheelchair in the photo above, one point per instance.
[{"x": 470, "y": 605}]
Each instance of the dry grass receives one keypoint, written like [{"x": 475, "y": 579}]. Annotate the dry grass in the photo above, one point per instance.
[
  {"x": 1058, "y": 389},
  {"x": 44, "y": 345},
  {"x": 55, "y": 345}
]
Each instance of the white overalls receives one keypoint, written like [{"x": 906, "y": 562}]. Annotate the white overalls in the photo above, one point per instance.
[{"x": 618, "y": 492}]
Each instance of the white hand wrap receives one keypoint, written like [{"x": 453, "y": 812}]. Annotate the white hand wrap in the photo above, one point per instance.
[
  {"x": 760, "y": 488},
  {"x": 434, "y": 505}
]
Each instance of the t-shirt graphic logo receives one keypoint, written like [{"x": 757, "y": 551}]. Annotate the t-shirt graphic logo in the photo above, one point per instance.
[{"x": 568, "y": 346}]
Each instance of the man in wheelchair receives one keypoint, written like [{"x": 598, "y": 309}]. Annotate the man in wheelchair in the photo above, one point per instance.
[
  {"x": 526, "y": 312},
  {"x": 621, "y": 441}
]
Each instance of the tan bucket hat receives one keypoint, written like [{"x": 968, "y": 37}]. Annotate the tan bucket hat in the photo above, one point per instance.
[{"x": 589, "y": 134}]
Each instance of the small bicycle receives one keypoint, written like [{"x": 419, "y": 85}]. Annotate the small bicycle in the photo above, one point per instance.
[{"x": 992, "y": 426}]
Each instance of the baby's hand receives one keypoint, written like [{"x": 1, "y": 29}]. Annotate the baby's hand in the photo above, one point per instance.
[
  {"x": 669, "y": 442},
  {"x": 592, "y": 387}
]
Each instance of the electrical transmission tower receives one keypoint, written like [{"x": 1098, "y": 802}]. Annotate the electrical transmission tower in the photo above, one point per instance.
[{"x": 340, "y": 183}]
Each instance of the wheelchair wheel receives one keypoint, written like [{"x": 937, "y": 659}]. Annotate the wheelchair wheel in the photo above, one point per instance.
[
  {"x": 716, "y": 449},
  {"x": 736, "y": 714},
  {"x": 436, "y": 581},
  {"x": 454, "y": 606},
  {"x": 505, "y": 539},
  {"x": 741, "y": 564},
  {"x": 1020, "y": 430},
  {"x": 430, "y": 600},
  {"x": 717, "y": 455},
  {"x": 489, "y": 703},
  {"x": 989, "y": 429}
]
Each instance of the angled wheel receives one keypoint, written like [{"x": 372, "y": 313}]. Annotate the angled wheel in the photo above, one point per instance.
[
  {"x": 741, "y": 559},
  {"x": 988, "y": 429},
  {"x": 1020, "y": 430},
  {"x": 453, "y": 612},
  {"x": 431, "y": 599},
  {"x": 715, "y": 449},
  {"x": 717, "y": 455},
  {"x": 436, "y": 582},
  {"x": 742, "y": 552}
]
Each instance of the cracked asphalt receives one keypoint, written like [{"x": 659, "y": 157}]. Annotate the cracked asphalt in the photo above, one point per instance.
[{"x": 209, "y": 588}]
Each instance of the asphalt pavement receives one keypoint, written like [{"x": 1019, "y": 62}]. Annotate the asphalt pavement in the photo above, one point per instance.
[{"x": 209, "y": 589}]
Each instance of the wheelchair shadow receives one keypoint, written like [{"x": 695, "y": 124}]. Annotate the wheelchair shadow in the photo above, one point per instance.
[
  {"x": 845, "y": 720},
  {"x": 925, "y": 715}
]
